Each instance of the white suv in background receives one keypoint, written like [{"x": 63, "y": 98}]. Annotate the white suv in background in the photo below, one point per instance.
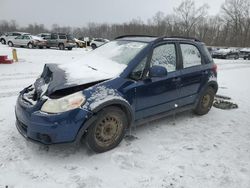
[
  {"x": 5, "y": 38},
  {"x": 98, "y": 42}
]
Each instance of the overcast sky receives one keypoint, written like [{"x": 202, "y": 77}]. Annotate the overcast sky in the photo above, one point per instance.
[{"x": 80, "y": 12}]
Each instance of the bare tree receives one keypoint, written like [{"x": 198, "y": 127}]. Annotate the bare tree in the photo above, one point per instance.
[{"x": 189, "y": 16}]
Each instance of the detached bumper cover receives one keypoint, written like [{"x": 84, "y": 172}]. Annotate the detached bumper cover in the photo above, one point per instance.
[{"x": 49, "y": 128}]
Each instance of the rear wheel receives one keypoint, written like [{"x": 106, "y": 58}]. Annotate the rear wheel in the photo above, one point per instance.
[
  {"x": 10, "y": 44},
  {"x": 30, "y": 46},
  {"x": 205, "y": 102},
  {"x": 93, "y": 46},
  {"x": 108, "y": 130},
  {"x": 69, "y": 48},
  {"x": 61, "y": 46}
]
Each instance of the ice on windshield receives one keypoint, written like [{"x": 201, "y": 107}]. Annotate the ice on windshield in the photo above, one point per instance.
[{"x": 105, "y": 62}]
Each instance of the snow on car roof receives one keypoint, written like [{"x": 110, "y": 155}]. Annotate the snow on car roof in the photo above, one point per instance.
[
  {"x": 245, "y": 50},
  {"x": 36, "y": 37}
]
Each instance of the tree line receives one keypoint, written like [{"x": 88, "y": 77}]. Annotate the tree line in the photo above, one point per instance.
[{"x": 230, "y": 27}]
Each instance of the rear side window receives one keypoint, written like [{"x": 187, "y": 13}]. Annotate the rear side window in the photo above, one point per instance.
[
  {"x": 191, "y": 55},
  {"x": 165, "y": 55},
  {"x": 62, "y": 37},
  {"x": 16, "y": 34}
]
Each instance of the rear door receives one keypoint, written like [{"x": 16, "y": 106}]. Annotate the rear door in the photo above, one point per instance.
[
  {"x": 159, "y": 94},
  {"x": 25, "y": 40},
  {"x": 193, "y": 73},
  {"x": 53, "y": 40}
]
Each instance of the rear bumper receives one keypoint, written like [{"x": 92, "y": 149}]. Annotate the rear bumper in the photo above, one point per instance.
[
  {"x": 70, "y": 45},
  {"x": 50, "y": 128}
]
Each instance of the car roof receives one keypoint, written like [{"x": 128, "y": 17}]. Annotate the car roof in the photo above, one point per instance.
[{"x": 148, "y": 39}]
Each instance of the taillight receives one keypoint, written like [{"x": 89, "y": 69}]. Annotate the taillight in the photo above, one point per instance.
[{"x": 214, "y": 68}]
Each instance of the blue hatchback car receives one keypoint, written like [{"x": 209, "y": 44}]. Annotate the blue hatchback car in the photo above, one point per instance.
[{"x": 128, "y": 81}]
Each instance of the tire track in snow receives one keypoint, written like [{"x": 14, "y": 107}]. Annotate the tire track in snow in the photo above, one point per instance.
[
  {"x": 8, "y": 94},
  {"x": 17, "y": 78}
]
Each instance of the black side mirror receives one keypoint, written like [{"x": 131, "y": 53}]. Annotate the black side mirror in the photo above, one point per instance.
[{"x": 158, "y": 71}]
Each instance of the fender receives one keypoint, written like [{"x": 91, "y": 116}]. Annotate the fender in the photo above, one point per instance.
[
  {"x": 120, "y": 102},
  {"x": 212, "y": 84},
  {"x": 123, "y": 104}
]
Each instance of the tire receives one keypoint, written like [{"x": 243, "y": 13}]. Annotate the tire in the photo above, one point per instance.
[
  {"x": 61, "y": 46},
  {"x": 47, "y": 47},
  {"x": 93, "y": 46},
  {"x": 236, "y": 57},
  {"x": 205, "y": 102},
  {"x": 40, "y": 47},
  {"x": 30, "y": 46},
  {"x": 69, "y": 48},
  {"x": 108, "y": 130},
  {"x": 3, "y": 41},
  {"x": 10, "y": 44}
]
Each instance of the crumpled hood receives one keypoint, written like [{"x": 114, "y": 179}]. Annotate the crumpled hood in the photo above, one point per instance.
[
  {"x": 55, "y": 78},
  {"x": 90, "y": 68}
]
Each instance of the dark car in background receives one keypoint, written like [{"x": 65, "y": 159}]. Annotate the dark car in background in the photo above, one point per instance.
[
  {"x": 126, "y": 82},
  {"x": 60, "y": 40},
  {"x": 245, "y": 53},
  {"x": 226, "y": 53}
]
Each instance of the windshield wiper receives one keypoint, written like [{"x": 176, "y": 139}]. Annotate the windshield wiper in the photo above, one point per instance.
[{"x": 92, "y": 68}]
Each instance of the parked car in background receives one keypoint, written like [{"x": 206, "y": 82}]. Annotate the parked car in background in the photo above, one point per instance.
[
  {"x": 43, "y": 35},
  {"x": 245, "y": 53},
  {"x": 80, "y": 43},
  {"x": 29, "y": 41},
  {"x": 226, "y": 53},
  {"x": 126, "y": 82},
  {"x": 98, "y": 42},
  {"x": 60, "y": 40},
  {"x": 5, "y": 38}
]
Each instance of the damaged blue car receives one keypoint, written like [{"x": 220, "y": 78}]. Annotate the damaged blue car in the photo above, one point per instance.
[{"x": 128, "y": 81}]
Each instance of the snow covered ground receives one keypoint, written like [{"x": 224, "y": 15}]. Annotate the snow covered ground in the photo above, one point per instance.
[{"x": 175, "y": 152}]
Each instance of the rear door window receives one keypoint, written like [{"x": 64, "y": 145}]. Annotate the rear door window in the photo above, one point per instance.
[{"x": 190, "y": 55}]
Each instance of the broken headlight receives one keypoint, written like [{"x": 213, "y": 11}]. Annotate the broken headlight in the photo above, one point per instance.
[{"x": 64, "y": 104}]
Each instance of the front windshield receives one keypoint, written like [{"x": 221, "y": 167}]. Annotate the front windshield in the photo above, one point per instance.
[
  {"x": 106, "y": 61},
  {"x": 121, "y": 52}
]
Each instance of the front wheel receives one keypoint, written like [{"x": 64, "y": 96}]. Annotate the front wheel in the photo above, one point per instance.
[
  {"x": 236, "y": 57},
  {"x": 108, "y": 130},
  {"x": 69, "y": 48},
  {"x": 205, "y": 102},
  {"x": 93, "y": 46},
  {"x": 61, "y": 46}
]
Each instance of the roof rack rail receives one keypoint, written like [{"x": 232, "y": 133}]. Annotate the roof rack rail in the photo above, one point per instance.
[
  {"x": 182, "y": 37},
  {"x": 123, "y": 36}
]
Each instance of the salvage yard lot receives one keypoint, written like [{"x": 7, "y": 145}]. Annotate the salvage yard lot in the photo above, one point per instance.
[{"x": 178, "y": 151}]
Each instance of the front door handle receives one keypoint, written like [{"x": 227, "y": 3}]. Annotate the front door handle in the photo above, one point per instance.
[
  {"x": 177, "y": 79},
  {"x": 205, "y": 72}
]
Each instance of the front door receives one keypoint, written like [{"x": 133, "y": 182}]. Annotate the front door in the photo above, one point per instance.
[{"x": 155, "y": 95}]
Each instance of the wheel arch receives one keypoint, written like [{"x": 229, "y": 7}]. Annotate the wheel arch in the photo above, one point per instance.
[{"x": 124, "y": 105}]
